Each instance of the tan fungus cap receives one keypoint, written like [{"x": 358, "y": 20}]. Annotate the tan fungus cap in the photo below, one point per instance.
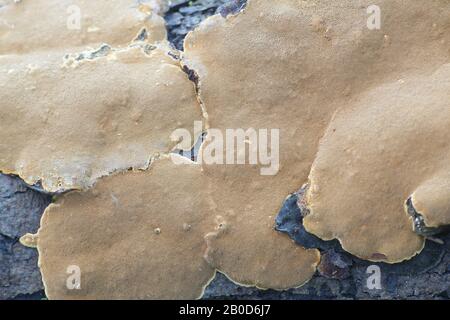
[
  {"x": 67, "y": 122},
  {"x": 41, "y": 25},
  {"x": 135, "y": 235}
]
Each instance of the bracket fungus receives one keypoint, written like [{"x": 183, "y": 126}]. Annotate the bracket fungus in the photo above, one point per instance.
[
  {"x": 244, "y": 246},
  {"x": 392, "y": 142},
  {"x": 311, "y": 71},
  {"x": 67, "y": 122},
  {"x": 432, "y": 200},
  {"x": 45, "y": 25},
  {"x": 291, "y": 65},
  {"x": 109, "y": 234},
  {"x": 151, "y": 229}
]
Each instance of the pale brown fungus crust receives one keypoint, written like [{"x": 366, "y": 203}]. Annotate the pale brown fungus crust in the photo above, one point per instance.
[
  {"x": 67, "y": 122},
  {"x": 44, "y": 25},
  {"x": 244, "y": 245},
  {"x": 392, "y": 142},
  {"x": 432, "y": 200},
  {"x": 291, "y": 65},
  {"x": 108, "y": 233}
]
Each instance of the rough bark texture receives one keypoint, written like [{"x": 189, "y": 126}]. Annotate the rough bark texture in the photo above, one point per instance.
[
  {"x": 20, "y": 212},
  {"x": 185, "y": 15}
]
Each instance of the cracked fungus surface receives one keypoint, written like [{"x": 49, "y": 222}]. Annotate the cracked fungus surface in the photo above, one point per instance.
[
  {"x": 291, "y": 65},
  {"x": 391, "y": 144},
  {"x": 65, "y": 123},
  {"x": 135, "y": 235},
  {"x": 40, "y": 25}
]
